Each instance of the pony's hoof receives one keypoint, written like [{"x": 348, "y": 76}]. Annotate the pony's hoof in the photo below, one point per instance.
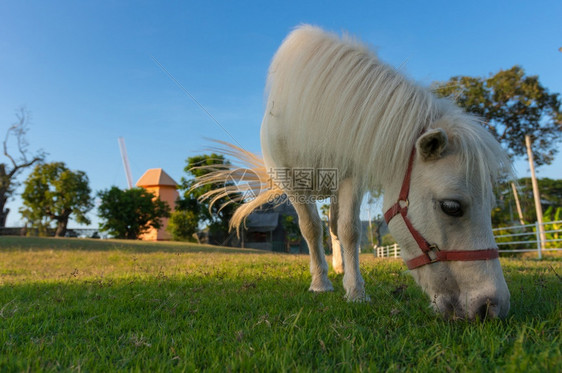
[
  {"x": 358, "y": 297},
  {"x": 321, "y": 287},
  {"x": 339, "y": 270}
]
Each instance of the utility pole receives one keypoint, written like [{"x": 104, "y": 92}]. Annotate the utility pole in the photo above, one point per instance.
[
  {"x": 516, "y": 195},
  {"x": 536, "y": 192}
]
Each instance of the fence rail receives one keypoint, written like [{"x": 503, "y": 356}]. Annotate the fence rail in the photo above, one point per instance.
[
  {"x": 509, "y": 240},
  {"x": 70, "y": 232}
]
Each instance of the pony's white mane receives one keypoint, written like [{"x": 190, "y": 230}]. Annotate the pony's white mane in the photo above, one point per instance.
[
  {"x": 333, "y": 104},
  {"x": 355, "y": 113}
]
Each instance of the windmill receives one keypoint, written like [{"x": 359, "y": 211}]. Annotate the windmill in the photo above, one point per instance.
[{"x": 125, "y": 162}]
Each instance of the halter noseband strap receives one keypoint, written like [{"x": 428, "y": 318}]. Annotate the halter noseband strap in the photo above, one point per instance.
[{"x": 431, "y": 253}]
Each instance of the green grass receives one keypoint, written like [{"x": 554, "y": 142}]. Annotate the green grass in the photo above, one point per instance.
[{"x": 91, "y": 305}]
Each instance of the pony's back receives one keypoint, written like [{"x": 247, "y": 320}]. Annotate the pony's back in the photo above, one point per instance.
[{"x": 332, "y": 103}]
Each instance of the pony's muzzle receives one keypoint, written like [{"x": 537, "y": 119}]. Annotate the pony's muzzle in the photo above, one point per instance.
[
  {"x": 483, "y": 308},
  {"x": 489, "y": 308}
]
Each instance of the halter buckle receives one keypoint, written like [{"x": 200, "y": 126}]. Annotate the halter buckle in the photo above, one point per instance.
[
  {"x": 433, "y": 248},
  {"x": 403, "y": 203}
]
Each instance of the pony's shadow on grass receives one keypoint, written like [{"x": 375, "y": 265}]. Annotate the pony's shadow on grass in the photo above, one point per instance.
[
  {"x": 150, "y": 299},
  {"x": 201, "y": 296},
  {"x": 14, "y": 243},
  {"x": 535, "y": 294}
]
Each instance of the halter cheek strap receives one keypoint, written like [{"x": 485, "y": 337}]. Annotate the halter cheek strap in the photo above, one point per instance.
[{"x": 430, "y": 252}]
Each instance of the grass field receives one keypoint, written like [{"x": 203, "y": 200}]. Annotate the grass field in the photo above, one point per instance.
[{"x": 91, "y": 305}]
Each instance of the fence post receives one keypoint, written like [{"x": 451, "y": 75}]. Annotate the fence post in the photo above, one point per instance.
[
  {"x": 539, "y": 241},
  {"x": 396, "y": 250}
]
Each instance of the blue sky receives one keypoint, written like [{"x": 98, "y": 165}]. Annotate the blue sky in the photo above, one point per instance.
[{"x": 85, "y": 70}]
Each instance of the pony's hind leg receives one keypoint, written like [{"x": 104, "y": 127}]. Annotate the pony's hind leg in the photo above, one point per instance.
[
  {"x": 337, "y": 260},
  {"x": 349, "y": 233},
  {"x": 311, "y": 228}
]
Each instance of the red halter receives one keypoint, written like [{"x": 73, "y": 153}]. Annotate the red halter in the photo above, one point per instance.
[{"x": 401, "y": 207}]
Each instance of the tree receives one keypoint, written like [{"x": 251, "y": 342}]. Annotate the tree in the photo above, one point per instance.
[
  {"x": 53, "y": 192},
  {"x": 129, "y": 213},
  {"x": 512, "y": 105},
  {"x": 292, "y": 232},
  {"x": 18, "y": 160},
  {"x": 182, "y": 225},
  {"x": 216, "y": 218},
  {"x": 552, "y": 215},
  {"x": 505, "y": 212},
  {"x": 375, "y": 223},
  {"x": 325, "y": 211}
]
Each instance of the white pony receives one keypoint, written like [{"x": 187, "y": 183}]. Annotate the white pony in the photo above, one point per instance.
[{"x": 338, "y": 123}]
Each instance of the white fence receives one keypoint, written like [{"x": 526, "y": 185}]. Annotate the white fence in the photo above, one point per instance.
[
  {"x": 514, "y": 239},
  {"x": 390, "y": 251}
]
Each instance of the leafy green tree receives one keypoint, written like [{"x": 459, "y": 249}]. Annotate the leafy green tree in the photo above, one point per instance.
[
  {"x": 552, "y": 215},
  {"x": 54, "y": 193},
  {"x": 216, "y": 217},
  {"x": 129, "y": 213},
  {"x": 182, "y": 225},
  {"x": 17, "y": 160},
  {"x": 292, "y": 230},
  {"x": 512, "y": 105},
  {"x": 505, "y": 212}
]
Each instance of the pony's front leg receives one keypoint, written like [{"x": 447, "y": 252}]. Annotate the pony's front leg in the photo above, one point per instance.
[
  {"x": 337, "y": 260},
  {"x": 337, "y": 254},
  {"x": 349, "y": 233},
  {"x": 311, "y": 229}
]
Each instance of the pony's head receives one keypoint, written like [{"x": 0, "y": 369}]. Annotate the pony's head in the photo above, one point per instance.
[{"x": 448, "y": 206}]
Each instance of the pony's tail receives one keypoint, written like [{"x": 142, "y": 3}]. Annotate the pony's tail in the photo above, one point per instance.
[{"x": 249, "y": 185}]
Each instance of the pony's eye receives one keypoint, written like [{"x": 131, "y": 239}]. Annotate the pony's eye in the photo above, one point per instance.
[{"x": 451, "y": 207}]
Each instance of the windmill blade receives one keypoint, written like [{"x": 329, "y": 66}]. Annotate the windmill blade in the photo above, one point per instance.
[{"x": 125, "y": 162}]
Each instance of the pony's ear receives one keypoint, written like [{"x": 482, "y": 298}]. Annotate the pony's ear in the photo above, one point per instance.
[{"x": 431, "y": 144}]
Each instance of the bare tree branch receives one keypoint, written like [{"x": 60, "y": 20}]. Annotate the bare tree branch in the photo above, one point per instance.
[{"x": 9, "y": 170}]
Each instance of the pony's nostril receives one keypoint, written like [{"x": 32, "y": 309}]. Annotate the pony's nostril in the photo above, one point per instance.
[
  {"x": 482, "y": 312},
  {"x": 488, "y": 310}
]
